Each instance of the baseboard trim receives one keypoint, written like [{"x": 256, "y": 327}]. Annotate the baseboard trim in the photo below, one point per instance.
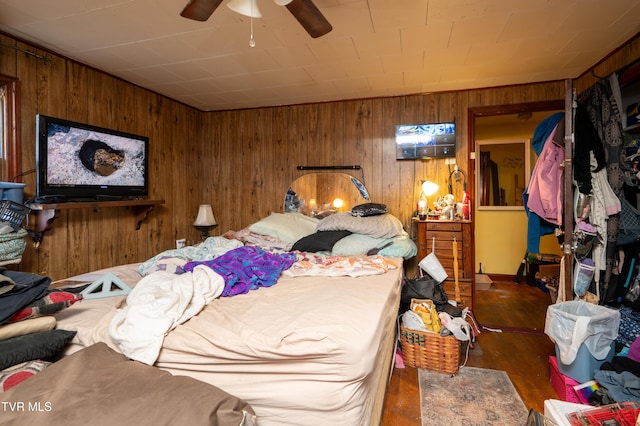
[{"x": 502, "y": 277}]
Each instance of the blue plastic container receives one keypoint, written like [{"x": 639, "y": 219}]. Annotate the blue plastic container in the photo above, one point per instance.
[
  {"x": 583, "y": 368},
  {"x": 12, "y": 191}
]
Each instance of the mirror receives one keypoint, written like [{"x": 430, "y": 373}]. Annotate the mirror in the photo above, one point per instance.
[
  {"x": 503, "y": 168},
  {"x": 321, "y": 194}
]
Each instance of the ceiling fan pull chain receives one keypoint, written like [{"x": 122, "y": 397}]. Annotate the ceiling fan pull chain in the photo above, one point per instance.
[{"x": 252, "y": 41}]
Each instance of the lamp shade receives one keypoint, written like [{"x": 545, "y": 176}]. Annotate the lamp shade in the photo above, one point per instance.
[
  {"x": 245, "y": 7},
  {"x": 205, "y": 216},
  {"x": 429, "y": 188}
]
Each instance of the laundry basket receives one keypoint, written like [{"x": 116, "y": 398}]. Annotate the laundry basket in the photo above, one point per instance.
[
  {"x": 13, "y": 244},
  {"x": 13, "y": 213},
  {"x": 430, "y": 351}
]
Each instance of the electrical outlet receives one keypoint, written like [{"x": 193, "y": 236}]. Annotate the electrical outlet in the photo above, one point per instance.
[{"x": 449, "y": 161}]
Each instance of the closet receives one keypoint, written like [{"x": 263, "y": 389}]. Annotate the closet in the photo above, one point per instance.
[{"x": 601, "y": 143}]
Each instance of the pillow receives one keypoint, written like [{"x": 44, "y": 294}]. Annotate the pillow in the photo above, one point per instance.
[
  {"x": 12, "y": 376},
  {"x": 288, "y": 227},
  {"x": 41, "y": 345},
  {"x": 27, "y": 327},
  {"x": 358, "y": 244},
  {"x": 369, "y": 209},
  {"x": 319, "y": 241},
  {"x": 403, "y": 246},
  {"x": 47, "y": 305},
  {"x": 380, "y": 226},
  {"x": 355, "y": 244}
]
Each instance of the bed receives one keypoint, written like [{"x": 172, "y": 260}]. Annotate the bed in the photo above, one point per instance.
[{"x": 313, "y": 347}]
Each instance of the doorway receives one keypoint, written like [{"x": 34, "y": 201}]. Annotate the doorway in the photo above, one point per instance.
[{"x": 501, "y": 231}]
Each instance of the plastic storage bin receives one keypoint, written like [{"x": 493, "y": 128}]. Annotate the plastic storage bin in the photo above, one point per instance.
[
  {"x": 12, "y": 191},
  {"x": 583, "y": 367},
  {"x": 562, "y": 384}
]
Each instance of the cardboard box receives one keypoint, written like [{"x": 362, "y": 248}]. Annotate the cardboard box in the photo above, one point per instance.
[{"x": 549, "y": 270}]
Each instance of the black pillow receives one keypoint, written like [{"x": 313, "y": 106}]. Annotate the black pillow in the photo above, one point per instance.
[
  {"x": 369, "y": 209},
  {"x": 40, "y": 345},
  {"x": 319, "y": 241}
]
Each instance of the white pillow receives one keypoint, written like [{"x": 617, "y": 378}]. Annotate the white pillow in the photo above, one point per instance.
[
  {"x": 288, "y": 227},
  {"x": 381, "y": 226}
]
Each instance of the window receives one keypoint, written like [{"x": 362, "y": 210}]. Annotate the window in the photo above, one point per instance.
[{"x": 9, "y": 137}]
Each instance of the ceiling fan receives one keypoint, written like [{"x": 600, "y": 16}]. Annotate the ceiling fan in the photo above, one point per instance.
[{"x": 304, "y": 11}]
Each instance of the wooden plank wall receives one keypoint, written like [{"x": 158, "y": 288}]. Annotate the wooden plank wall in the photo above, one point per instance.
[
  {"x": 627, "y": 54},
  {"x": 242, "y": 162},
  {"x": 359, "y": 132}
]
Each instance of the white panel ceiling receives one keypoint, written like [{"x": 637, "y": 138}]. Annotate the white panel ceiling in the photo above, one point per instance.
[{"x": 376, "y": 48}]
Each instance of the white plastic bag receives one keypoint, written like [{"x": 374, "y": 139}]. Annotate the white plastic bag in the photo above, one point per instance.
[
  {"x": 432, "y": 266},
  {"x": 570, "y": 324}
]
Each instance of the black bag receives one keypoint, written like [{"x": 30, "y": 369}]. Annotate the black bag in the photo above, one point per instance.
[
  {"x": 369, "y": 209},
  {"x": 422, "y": 288},
  {"x": 426, "y": 287}
]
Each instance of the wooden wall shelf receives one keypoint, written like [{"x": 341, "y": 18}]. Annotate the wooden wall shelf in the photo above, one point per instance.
[{"x": 46, "y": 214}]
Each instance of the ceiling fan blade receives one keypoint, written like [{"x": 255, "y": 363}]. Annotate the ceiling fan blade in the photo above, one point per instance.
[
  {"x": 310, "y": 17},
  {"x": 200, "y": 10}
]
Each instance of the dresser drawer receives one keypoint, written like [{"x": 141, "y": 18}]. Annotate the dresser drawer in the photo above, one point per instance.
[
  {"x": 444, "y": 248},
  {"x": 450, "y": 287},
  {"x": 444, "y": 226},
  {"x": 441, "y": 235},
  {"x": 466, "y": 292}
]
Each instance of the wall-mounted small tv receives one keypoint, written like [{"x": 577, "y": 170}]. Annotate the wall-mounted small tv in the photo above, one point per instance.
[
  {"x": 433, "y": 140},
  {"x": 77, "y": 161}
]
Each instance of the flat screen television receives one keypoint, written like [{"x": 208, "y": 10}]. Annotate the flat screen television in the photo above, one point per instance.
[
  {"x": 76, "y": 161},
  {"x": 433, "y": 140}
]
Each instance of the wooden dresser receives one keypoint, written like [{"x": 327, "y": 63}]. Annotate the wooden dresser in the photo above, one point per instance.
[{"x": 445, "y": 232}]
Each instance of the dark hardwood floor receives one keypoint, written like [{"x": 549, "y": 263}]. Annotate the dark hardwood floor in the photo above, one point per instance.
[{"x": 521, "y": 349}]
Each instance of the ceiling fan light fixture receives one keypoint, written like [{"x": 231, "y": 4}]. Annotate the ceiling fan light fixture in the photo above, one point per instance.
[
  {"x": 282, "y": 2},
  {"x": 245, "y": 7}
]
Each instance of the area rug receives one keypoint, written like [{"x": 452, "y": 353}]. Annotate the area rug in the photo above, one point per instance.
[{"x": 475, "y": 396}]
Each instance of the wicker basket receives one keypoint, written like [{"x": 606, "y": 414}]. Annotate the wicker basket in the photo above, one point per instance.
[
  {"x": 430, "y": 351},
  {"x": 13, "y": 213}
]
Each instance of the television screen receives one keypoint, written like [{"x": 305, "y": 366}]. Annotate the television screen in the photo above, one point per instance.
[
  {"x": 80, "y": 161},
  {"x": 436, "y": 140}
]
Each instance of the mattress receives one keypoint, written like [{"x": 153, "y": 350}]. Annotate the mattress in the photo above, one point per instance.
[{"x": 308, "y": 350}]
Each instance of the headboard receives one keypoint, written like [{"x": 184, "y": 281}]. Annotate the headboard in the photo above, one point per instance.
[{"x": 319, "y": 194}]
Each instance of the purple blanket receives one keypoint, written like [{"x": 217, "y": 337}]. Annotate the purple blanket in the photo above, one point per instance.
[{"x": 247, "y": 268}]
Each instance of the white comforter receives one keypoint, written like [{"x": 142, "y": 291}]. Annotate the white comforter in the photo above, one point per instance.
[{"x": 158, "y": 303}]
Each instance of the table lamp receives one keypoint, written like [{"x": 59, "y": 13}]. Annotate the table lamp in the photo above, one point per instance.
[
  {"x": 428, "y": 189},
  {"x": 205, "y": 220}
]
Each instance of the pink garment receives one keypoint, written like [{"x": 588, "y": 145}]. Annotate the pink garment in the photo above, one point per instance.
[
  {"x": 546, "y": 189},
  {"x": 634, "y": 350}
]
